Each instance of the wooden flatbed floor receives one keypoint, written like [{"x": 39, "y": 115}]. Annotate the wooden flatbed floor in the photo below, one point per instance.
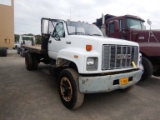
[{"x": 35, "y": 49}]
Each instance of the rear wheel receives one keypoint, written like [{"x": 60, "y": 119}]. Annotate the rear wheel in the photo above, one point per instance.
[
  {"x": 3, "y": 52},
  {"x": 0, "y": 51},
  {"x": 22, "y": 52},
  {"x": 30, "y": 61},
  {"x": 69, "y": 89},
  {"x": 18, "y": 50},
  {"x": 148, "y": 69},
  {"x": 15, "y": 47}
]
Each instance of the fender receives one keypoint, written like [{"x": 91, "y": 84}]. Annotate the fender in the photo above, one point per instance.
[{"x": 77, "y": 56}]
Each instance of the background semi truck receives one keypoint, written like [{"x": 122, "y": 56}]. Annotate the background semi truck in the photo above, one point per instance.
[
  {"x": 132, "y": 28},
  {"x": 83, "y": 60},
  {"x": 24, "y": 40}
]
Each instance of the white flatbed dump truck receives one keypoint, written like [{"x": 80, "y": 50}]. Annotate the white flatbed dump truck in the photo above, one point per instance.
[{"x": 84, "y": 61}]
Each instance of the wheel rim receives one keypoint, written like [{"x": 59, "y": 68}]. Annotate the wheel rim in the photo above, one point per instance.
[{"x": 66, "y": 89}]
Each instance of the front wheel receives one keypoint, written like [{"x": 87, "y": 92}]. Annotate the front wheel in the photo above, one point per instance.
[
  {"x": 69, "y": 89},
  {"x": 148, "y": 69}
]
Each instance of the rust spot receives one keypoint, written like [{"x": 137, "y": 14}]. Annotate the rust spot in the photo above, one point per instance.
[{"x": 84, "y": 81}]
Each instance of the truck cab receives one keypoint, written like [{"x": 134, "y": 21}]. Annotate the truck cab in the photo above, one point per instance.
[
  {"x": 24, "y": 40},
  {"x": 132, "y": 28}
]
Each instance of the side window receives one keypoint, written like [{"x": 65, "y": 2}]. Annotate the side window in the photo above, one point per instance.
[
  {"x": 111, "y": 27},
  {"x": 59, "y": 30},
  {"x": 121, "y": 25}
]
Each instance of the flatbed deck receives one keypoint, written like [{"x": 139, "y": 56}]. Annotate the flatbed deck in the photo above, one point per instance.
[{"x": 35, "y": 49}]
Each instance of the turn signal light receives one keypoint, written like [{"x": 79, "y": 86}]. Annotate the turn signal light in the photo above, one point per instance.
[{"x": 88, "y": 47}]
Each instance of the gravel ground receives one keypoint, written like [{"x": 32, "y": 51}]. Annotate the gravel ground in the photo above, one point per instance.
[{"x": 26, "y": 95}]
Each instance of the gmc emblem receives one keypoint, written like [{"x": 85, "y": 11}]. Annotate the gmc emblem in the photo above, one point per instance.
[{"x": 123, "y": 56}]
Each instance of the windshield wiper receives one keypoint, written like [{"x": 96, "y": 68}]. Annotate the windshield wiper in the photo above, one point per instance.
[
  {"x": 77, "y": 33},
  {"x": 94, "y": 34},
  {"x": 81, "y": 33},
  {"x": 97, "y": 34}
]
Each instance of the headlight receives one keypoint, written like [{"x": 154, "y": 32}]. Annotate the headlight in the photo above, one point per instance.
[{"x": 92, "y": 63}]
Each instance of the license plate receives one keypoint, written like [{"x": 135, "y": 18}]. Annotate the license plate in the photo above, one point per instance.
[{"x": 123, "y": 81}]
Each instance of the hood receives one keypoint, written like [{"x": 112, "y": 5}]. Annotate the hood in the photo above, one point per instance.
[
  {"x": 100, "y": 40},
  {"x": 145, "y": 35}
]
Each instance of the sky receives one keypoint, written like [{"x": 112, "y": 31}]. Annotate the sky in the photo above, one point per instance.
[{"x": 28, "y": 13}]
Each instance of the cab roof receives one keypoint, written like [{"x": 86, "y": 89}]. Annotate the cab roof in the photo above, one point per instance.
[{"x": 136, "y": 17}]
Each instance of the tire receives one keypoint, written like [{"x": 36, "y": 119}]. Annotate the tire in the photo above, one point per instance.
[
  {"x": 30, "y": 61},
  {"x": 126, "y": 89},
  {"x": 148, "y": 69},
  {"x": 35, "y": 63},
  {"x": 69, "y": 89},
  {"x": 22, "y": 53},
  {"x": 3, "y": 52},
  {"x": 18, "y": 50},
  {"x": 15, "y": 47}
]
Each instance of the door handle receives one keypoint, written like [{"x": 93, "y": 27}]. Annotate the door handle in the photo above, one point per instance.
[
  {"x": 50, "y": 41},
  {"x": 68, "y": 42}
]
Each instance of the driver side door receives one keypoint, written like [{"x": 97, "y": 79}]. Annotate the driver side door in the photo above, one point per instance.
[
  {"x": 116, "y": 34},
  {"x": 57, "y": 40}
]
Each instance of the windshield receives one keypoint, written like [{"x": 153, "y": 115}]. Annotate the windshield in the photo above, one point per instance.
[
  {"x": 79, "y": 28},
  {"x": 135, "y": 24}
]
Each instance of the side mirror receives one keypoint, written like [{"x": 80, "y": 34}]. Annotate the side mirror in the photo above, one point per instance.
[
  {"x": 149, "y": 22},
  {"x": 116, "y": 26}
]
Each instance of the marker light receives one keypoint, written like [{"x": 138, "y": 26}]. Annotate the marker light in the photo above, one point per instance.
[{"x": 88, "y": 47}]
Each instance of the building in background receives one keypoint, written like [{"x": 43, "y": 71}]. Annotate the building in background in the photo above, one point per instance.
[{"x": 6, "y": 25}]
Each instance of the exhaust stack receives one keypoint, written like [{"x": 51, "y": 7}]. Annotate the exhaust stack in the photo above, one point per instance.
[{"x": 103, "y": 27}]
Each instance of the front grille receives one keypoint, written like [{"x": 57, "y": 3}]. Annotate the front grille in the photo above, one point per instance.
[{"x": 118, "y": 56}]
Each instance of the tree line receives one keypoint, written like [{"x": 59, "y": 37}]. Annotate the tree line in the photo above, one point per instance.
[{"x": 37, "y": 38}]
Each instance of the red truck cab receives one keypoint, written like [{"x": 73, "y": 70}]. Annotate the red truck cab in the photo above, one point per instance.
[{"x": 132, "y": 28}]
